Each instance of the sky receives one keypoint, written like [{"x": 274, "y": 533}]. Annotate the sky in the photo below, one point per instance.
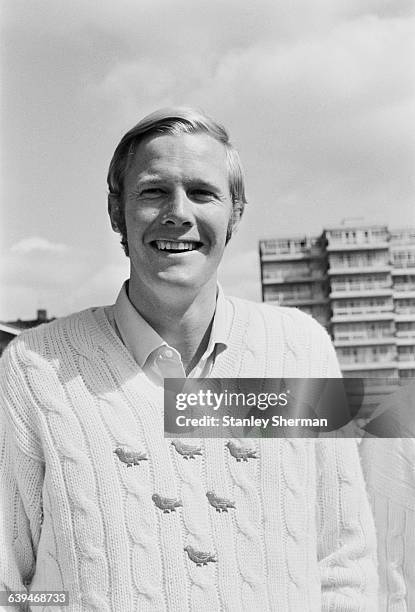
[{"x": 318, "y": 97}]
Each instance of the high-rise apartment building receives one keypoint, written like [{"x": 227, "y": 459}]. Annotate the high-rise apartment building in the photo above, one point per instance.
[
  {"x": 294, "y": 273},
  {"x": 359, "y": 282},
  {"x": 402, "y": 245}
]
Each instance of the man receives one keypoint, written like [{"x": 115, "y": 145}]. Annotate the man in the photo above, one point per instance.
[{"x": 96, "y": 501}]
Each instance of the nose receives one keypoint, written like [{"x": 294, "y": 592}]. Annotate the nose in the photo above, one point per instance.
[{"x": 178, "y": 210}]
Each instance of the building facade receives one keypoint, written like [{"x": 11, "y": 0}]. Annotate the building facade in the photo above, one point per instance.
[
  {"x": 294, "y": 273},
  {"x": 359, "y": 282},
  {"x": 7, "y": 334},
  {"x": 403, "y": 281}
]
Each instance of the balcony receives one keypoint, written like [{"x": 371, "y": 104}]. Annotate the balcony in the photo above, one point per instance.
[
  {"x": 362, "y": 359},
  {"x": 403, "y": 293},
  {"x": 365, "y": 342},
  {"x": 403, "y": 256},
  {"x": 333, "y": 247},
  {"x": 402, "y": 236},
  {"x": 407, "y": 333},
  {"x": 402, "y": 271},
  {"x": 405, "y": 341},
  {"x": 357, "y": 235},
  {"x": 403, "y": 318},
  {"x": 360, "y": 310},
  {"x": 407, "y": 358},
  {"x": 364, "y": 334},
  {"x": 289, "y": 300},
  {"x": 293, "y": 278},
  {"x": 375, "y": 316},
  {"x": 361, "y": 365},
  {"x": 404, "y": 310},
  {"x": 359, "y": 270},
  {"x": 406, "y": 365},
  {"x": 291, "y": 256},
  {"x": 359, "y": 291},
  {"x": 291, "y": 248}
]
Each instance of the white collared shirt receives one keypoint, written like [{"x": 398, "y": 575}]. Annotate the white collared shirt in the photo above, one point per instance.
[{"x": 153, "y": 354}]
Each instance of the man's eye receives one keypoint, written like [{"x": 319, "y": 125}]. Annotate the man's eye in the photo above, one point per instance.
[
  {"x": 151, "y": 192},
  {"x": 203, "y": 194}
]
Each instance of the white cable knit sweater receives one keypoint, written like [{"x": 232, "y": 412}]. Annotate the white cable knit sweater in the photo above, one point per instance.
[{"x": 75, "y": 516}]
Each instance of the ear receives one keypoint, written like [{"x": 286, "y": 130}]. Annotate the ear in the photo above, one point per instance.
[
  {"x": 233, "y": 222},
  {"x": 114, "y": 211},
  {"x": 236, "y": 217}
]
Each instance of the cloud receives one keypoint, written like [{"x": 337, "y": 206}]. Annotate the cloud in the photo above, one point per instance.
[
  {"x": 38, "y": 244},
  {"x": 64, "y": 284},
  {"x": 320, "y": 103},
  {"x": 318, "y": 98},
  {"x": 102, "y": 287},
  {"x": 324, "y": 125},
  {"x": 239, "y": 273}
]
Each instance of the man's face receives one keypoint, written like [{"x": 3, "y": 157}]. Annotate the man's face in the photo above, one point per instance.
[{"x": 177, "y": 211}]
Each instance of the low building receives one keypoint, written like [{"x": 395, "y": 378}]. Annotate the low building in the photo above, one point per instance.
[
  {"x": 7, "y": 333},
  {"x": 11, "y": 329}
]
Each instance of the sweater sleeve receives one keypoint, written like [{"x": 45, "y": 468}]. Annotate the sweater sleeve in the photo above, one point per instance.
[
  {"x": 388, "y": 466},
  {"x": 347, "y": 542},
  {"x": 21, "y": 477}
]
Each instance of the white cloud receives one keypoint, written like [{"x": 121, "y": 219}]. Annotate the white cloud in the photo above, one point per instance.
[
  {"x": 36, "y": 243},
  {"x": 61, "y": 284},
  {"x": 239, "y": 273},
  {"x": 101, "y": 288},
  {"x": 318, "y": 97}
]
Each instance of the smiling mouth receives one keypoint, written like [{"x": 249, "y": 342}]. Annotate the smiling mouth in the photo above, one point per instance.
[{"x": 176, "y": 246}]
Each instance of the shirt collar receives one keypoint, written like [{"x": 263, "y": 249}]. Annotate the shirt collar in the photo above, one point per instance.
[
  {"x": 142, "y": 340},
  {"x": 221, "y": 323},
  {"x": 138, "y": 336}
]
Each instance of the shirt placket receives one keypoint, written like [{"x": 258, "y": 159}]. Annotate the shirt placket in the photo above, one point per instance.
[{"x": 165, "y": 363}]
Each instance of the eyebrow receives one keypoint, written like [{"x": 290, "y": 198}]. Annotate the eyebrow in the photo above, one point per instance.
[{"x": 148, "y": 180}]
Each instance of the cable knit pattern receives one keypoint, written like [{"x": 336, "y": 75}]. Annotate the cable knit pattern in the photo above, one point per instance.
[
  {"x": 390, "y": 475},
  {"x": 297, "y": 535}
]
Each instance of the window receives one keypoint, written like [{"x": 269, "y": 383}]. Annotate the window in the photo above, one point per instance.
[{"x": 409, "y": 373}]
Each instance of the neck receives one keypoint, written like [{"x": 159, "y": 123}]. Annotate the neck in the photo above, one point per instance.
[{"x": 180, "y": 318}]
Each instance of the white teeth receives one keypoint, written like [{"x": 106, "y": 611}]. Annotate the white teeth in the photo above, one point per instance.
[{"x": 175, "y": 246}]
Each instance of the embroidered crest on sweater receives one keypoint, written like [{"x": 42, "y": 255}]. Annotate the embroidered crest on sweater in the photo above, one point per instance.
[
  {"x": 188, "y": 451},
  {"x": 220, "y": 503},
  {"x": 166, "y": 504},
  {"x": 241, "y": 453},
  {"x": 199, "y": 557},
  {"x": 130, "y": 457}
]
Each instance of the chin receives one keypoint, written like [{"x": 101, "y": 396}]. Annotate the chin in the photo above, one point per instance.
[
  {"x": 179, "y": 281},
  {"x": 183, "y": 280}
]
